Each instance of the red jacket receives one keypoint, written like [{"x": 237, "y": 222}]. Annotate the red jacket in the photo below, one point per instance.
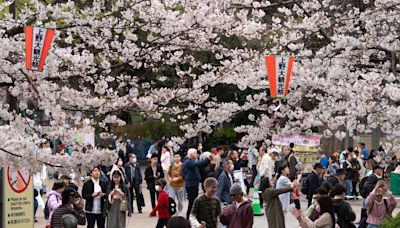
[{"x": 162, "y": 206}]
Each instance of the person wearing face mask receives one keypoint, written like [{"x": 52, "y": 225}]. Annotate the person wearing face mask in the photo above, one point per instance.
[
  {"x": 379, "y": 209},
  {"x": 225, "y": 181},
  {"x": 162, "y": 204},
  {"x": 135, "y": 179},
  {"x": 343, "y": 211}
]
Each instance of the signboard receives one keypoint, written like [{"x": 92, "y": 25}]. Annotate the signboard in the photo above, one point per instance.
[
  {"x": 17, "y": 198},
  {"x": 279, "y": 70},
  {"x": 37, "y": 41},
  {"x": 303, "y": 142},
  {"x": 84, "y": 138},
  {"x": 239, "y": 177}
]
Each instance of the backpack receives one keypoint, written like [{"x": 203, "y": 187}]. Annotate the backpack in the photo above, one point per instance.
[
  {"x": 46, "y": 210},
  {"x": 306, "y": 185},
  {"x": 299, "y": 165},
  {"x": 172, "y": 206},
  {"x": 363, "y": 193}
]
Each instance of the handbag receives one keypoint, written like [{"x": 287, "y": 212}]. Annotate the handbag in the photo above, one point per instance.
[
  {"x": 123, "y": 207},
  {"x": 140, "y": 199}
]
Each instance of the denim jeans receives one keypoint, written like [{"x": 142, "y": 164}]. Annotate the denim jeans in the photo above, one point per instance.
[
  {"x": 373, "y": 226},
  {"x": 177, "y": 194},
  {"x": 349, "y": 186}
]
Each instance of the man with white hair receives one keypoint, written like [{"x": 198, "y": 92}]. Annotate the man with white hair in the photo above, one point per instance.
[{"x": 192, "y": 175}]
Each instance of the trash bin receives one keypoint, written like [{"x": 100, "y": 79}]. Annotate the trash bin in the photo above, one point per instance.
[{"x": 395, "y": 183}]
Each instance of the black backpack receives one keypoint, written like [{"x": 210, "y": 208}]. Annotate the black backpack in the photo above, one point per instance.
[
  {"x": 46, "y": 210},
  {"x": 172, "y": 206},
  {"x": 306, "y": 185},
  {"x": 363, "y": 192}
]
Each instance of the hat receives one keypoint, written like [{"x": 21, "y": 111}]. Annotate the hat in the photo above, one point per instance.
[
  {"x": 318, "y": 165},
  {"x": 57, "y": 185},
  {"x": 340, "y": 171},
  {"x": 70, "y": 192},
  {"x": 65, "y": 177},
  {"x": 154, "y": 156},
  {"x": 236, "y": 189},
  {"x": 377, "y": 166},
  {"x": 161, "y": 182}
]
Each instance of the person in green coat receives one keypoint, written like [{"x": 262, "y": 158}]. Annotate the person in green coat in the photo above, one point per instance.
[{"x": 273, "y": 210}]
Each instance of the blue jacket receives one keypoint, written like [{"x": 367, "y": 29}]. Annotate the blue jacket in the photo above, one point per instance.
[
  {"x": 138, "y": 174},
  {"x": 191, "y": 171},
  {"x": 224, "y": 187}
]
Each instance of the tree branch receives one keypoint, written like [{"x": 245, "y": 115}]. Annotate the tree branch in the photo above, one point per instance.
[{"x": 20, "y": 156}]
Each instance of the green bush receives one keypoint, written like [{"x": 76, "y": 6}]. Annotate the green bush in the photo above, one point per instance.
[
  {"x": 392, "y": 222},
  {"x": 224, "y": 136}
]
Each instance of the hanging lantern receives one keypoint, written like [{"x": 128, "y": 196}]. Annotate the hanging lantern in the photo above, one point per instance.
[
  {"x": 38, "y": 41},
  {"x": 279, "y": 69}
]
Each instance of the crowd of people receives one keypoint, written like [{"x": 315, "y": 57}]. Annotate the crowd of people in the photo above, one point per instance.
[{"x": 108, "y": 196}]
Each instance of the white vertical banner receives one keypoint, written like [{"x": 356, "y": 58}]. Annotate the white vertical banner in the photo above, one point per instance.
[
  {"x": 38, "y": 44},
  {"x": 281, "y": 67}
]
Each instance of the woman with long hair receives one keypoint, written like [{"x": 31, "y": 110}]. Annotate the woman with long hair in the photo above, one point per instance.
[
  {"x": 117, "y": 201},
  {"x": 273, "y": 210},
  {"x": 326, "y": 218}
]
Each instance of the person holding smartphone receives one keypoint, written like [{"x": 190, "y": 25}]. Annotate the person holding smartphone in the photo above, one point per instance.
[
  {"x": 94, "y": 192},
  {"x": 379, "y": 209},
  {"x": 71, "y": 205}
]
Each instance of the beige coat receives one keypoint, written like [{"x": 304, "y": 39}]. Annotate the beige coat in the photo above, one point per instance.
[{"x": 324, "y": 221}]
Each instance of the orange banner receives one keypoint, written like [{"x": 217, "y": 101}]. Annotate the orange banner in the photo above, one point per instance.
[
  {"x": 279, "y": 69},
  {"x": 38, "y": 41}
]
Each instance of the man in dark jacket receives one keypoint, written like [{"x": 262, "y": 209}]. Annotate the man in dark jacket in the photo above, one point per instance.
[
  {"x": 314, "y": 181},
  {"x": 153, "y": 173},
  {"x": 338, "y": 178},
  {"x": 94, "y": 192},
  {"x": 225, "y": 181},
  {"x": 192, "y": 176},
  {"x": 134, "y": 177},
  {"x": 371, "y": 181},
  {"x": 67, "y": 182},
  {"x": 343, "y": 211},
  {"x": 290, "y": 159}
]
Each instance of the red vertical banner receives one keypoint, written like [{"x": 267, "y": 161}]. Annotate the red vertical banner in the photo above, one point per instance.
[
  {"x": 279, "y": 70},
  {"x": 270, "y": 61},
  {"x": 289, "y": 72},
  {"x": 38, "y": 41}
]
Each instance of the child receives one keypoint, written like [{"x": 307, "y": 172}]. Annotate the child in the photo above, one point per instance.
[
  {"x": 206, "y": 208},
  {"x": 162, "y": 204}
]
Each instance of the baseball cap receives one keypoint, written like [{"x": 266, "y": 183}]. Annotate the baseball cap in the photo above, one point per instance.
[{"x": 70, "y": 192}]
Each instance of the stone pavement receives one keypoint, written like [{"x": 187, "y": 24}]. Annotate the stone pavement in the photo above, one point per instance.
[{"x": 144, "y": 221}]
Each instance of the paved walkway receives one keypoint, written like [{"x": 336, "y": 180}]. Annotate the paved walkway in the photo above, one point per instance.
[{"x": 144, "y": 221}]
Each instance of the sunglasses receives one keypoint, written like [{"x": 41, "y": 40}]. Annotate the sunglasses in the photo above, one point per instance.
[{"x": 233, "y": 195}]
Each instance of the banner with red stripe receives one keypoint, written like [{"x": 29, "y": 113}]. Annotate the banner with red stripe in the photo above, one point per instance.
[
  {"x": 279, "y": 69},
  {"x": 38, "y": 41}
]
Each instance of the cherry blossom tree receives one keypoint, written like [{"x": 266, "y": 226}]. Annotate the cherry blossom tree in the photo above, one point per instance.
[{"x": 165, "y": 58}]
